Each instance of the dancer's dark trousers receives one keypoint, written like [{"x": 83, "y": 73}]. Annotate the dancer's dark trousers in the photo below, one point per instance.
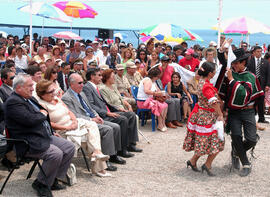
[{"x": 238, "y": 119}]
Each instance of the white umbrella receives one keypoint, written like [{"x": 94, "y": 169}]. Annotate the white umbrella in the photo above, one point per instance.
[
  {"x": 4, "y": 34},
  {"x": 67, "y": 35}
]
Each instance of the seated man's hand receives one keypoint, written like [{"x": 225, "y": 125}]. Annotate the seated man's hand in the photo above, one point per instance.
[
  {"x": 44, "y": 112},
  {"x": 98, "y": 120},
  {"x": 56, "y": 134},
  {"x": 114, "y": 115}
]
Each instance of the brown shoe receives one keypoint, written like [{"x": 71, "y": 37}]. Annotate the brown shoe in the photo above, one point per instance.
[
  {"x": 177, "y": 123},
  {"x": 171, "y": 125}
]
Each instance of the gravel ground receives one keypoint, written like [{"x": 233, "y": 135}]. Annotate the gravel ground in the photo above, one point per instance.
[{"x": 161, "y": 171}]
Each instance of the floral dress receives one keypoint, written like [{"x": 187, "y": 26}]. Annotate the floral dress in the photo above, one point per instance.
[{"x": 202, "y": 135}]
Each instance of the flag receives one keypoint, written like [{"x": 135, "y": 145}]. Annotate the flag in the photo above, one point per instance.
[{"x": 231, "y": 57}]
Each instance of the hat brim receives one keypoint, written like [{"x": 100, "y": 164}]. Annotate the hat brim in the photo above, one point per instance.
[{"x": 246, "y": 56}]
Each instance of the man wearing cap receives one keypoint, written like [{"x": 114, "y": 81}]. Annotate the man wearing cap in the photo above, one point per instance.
[
  {"x": 104, "y": 55},
  {"x": 134, "y": 77},
  {"x": 213, "y": 44},
  {"x": 123, "y": 85},
  {"x": 78, "y": 68},
  {"x": 241, "y": 112},
  {"x": 261, "y": 68},
  {"x": 95, "y": 45},
  {"x": 189, "y": 62}
]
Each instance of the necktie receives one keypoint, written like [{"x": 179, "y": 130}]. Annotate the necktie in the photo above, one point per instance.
[
  {"x": 108, "y": 110},
  {"x": 258, "y": 68},
  {"x": 91, "y": 114},
  {"x": 66, "y": 81}
]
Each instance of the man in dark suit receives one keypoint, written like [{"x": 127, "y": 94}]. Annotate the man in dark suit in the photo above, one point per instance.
[
  {"x": 6, "y": 89},
  {"x": 126, "y": 120},
  {"x": 261, "y": 68},
  {"x": 62, "y": 76},
  {"x": 26, "y": 119},
  {"x": 109, "y": 132}
]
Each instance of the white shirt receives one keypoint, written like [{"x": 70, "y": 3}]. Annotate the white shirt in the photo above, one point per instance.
[
  {"x": 141, "y": 93},
  {"x": 102, "y": 58},
  {"x": 21, "y": 63}
]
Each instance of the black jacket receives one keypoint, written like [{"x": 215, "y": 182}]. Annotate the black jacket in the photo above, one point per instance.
[
  {"x": 265, "y": 71},
  {"x": 23, "y": 121}
]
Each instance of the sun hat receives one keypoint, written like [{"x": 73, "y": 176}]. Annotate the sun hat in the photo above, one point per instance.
[
  {"x": 119, "y": 67},
  {"x": 130, "y": 65}
]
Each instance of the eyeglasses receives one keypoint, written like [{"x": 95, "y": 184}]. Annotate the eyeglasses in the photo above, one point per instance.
[
  {"x": 98, "y": 75},
  {"x": 50, "y": 92},
  {"x": 11, "y": 78},
  {"x": 142, "y": 53},
  {"x": 54, "y": 72},
  {"x": 11, "y": 39},
  {"x": 81, "y": 82}
]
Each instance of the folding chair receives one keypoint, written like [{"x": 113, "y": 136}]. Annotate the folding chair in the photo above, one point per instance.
[
  {"x": 21, "y": 160},
  {"x": 142, "y": 112}
]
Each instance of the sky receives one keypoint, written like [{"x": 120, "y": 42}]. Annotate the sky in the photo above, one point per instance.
[{"x": 126, "y": 14}]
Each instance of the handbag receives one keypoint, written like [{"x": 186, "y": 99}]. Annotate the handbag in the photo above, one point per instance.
[
  {"x": 71, "y": 175},
  {"x": 161, "y": 99}
]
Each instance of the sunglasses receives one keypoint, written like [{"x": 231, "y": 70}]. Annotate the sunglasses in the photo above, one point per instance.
[
  {"x": 81, "y": 82},
  {"x": 54, "y": 72},
  {"x": 50, "y": 92},
  {"x": 11, "y": 78}
]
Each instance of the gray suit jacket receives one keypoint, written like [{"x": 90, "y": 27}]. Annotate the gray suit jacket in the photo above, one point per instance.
[
  {"x": 5, "y": 92},
  {"x": 96, "y": 101},
  {"x": 75, "y": 106}
]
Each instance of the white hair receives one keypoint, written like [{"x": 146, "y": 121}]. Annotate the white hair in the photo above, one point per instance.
[
  {"x": 71, "y": 78},
  {"x": 20, "y": 79}
]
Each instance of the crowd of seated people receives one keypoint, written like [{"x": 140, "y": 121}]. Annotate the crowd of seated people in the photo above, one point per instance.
[{"x": 83, "y": 89}]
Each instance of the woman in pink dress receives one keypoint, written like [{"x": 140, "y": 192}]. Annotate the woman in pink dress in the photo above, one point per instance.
[{"x": 202, "y": 137}]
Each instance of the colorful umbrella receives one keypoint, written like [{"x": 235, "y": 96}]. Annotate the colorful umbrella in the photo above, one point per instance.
[
  {"x": 47, "y": 11},
  {"x": 76, "y": 9},
  {"x": 169, "y": 33},
  {"x": 243, "y": 25},
  {"x": 67, "y": 35}
]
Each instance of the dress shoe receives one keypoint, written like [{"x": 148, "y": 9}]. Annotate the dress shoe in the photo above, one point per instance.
[
  {"x": 41, "y": 189},
  {"x": 263, "y": 121},
  {"x": 171, "y": 125},
  {"x": 133, "y": 148},
  {"x": 177, "y": 123},
  {"x": 235, "y": 161},
  {"x": 110, "y": 167},
  {"x": 125, "y": 154},
  {"x": 107, "y": 174},
  {"x": 194, "y": 168},
  {"x": 209, "y": 173},
  {"x": 246, "y": 170},
  {"x": 57, "y": 186},
  {"x": 116, "y": 159}
]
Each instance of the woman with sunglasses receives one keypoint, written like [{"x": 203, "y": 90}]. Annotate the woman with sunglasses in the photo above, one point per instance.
[
  {"x": 51, "y": 75},
  {"x": 142, "y": 56},
  {"x": 63, "y": 121},
  {"x": 89, "y": 57}
]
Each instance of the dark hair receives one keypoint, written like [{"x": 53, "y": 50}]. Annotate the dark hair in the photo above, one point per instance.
[
  {"x": 169, "y": 46},
  {"x": 32, "y": 63},
  {"x": 158, "y": 44},
  {"x": 206, "y": 68},
  {"x": 256, "y": 47},
  {"x": 267, "y": 56},
  {"x": 138, "y": 55},
  {"x": 10, "y": 49},
  {"x": 64, "y": 64},
  {"x": 154, "y": 72},
  {"x": 49, "y": 71},
  {"x": 177, "y": 74},
  {"x": 32, "y": 70},
  {"x": 177, "y": 47},
  {"x": 4, "y": 73},
  {"x": 90, "y": 72},
  {"x": 106, "y": 74}
]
